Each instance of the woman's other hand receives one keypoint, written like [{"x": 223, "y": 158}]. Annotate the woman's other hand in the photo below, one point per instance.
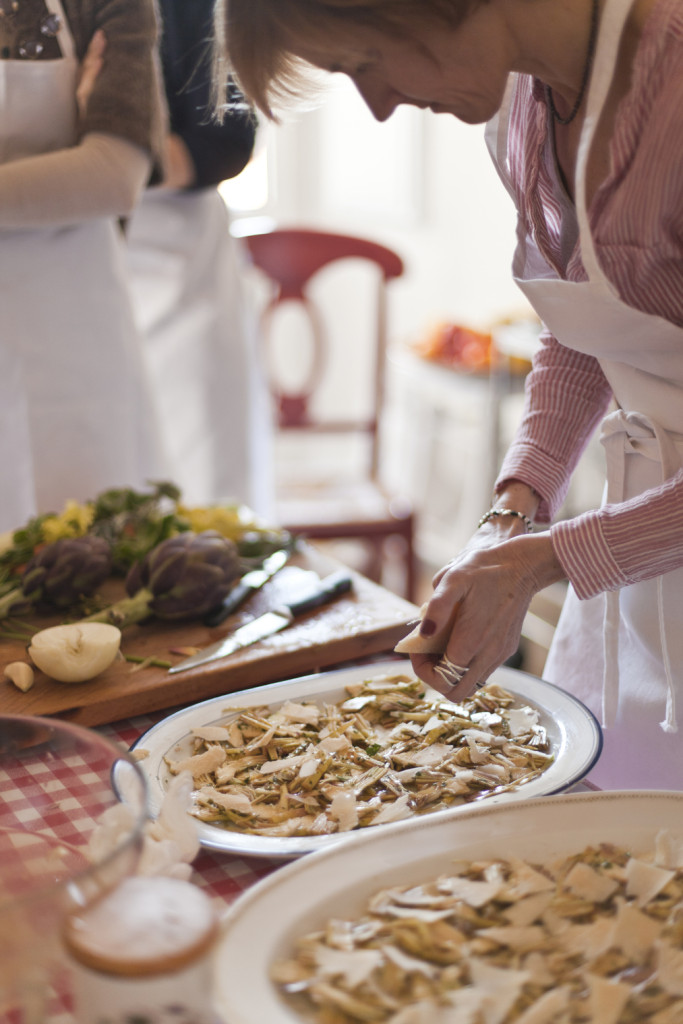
[{"x": 91, "y": 66}]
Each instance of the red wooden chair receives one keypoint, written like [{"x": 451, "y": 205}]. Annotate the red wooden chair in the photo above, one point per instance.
[{"x": 331, "y": 506}]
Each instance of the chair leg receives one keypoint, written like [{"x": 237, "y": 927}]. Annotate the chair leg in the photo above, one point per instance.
[
  {"x": 411, "y": 565},
  {"x": 375, "y": 559},
  {"x": 400, "y": 544}
]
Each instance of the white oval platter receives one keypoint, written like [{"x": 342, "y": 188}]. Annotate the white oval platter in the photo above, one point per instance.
[{"x": 574, "y": 735}]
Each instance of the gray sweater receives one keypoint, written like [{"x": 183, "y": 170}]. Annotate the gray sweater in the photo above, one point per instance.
[{"x": 127, "y": 96}]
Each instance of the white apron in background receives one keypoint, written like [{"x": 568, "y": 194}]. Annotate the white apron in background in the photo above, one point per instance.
[
  {"x": 74, "y": 414},
  {"x": 621, "y": 653},
  {"x": 200, "y": 346}
]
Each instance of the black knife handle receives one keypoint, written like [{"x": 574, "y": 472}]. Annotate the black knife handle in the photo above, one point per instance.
[
  {"x": 239, "y": 593},
  {"x": 330, "y": 587}
]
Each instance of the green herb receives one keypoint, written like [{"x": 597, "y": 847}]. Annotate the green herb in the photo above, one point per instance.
[
  {"x": 145, "y": 662},
  {"x": 24, "y": 542},
  {"x": 134, "y": 522}
]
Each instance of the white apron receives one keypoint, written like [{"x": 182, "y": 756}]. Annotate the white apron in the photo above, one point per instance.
[
  {"x": 621, "y": 652},
  {"x": 75, "y": 417},
  {"x": 199, "y": 343}
]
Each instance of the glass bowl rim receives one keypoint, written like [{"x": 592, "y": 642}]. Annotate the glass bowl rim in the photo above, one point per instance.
[{"x": 119, "y": 753}]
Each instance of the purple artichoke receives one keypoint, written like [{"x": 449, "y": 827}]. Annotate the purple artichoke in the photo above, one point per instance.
[
  {"x": 184, "y": 577},
  {"x": 60, "y": 575}
]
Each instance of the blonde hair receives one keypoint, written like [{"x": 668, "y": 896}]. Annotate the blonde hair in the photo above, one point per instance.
[{"x": 257, "y": 40}]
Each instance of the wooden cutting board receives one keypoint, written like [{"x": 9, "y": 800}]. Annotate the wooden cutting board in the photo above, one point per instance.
[{"x": 368, "y": 620}]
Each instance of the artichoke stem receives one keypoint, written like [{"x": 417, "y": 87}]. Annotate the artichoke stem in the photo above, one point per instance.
[
  {"x": 11, "y": 600},
  {"x": 126, "y": 611}
]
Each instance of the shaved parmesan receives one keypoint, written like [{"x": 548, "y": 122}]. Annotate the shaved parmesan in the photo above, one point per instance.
[
  {"x": 501, "y": 985},
  {"x": 547, "y": 1007},
  {"x": 470, "y": 891},
  {"x": 308, "y": 767},
  {"x": 589, "y": 940},
  {"x": 607, "y": 999},
  {"x": 589, "y": 884},
  {"x": 527, "y": 910},
  {"x": 526, "y": 880},
  {"x": 200, "y": 764},
  {"x": 521, "y": 720},
  {"x": 354, "y": 965},
  {"x": 334, "y": 744},
  {"x": 635, "y": 932},
  {"x": 230, "y": 801},
  {"x": 669, "y": 968},
  {"x": 344, "y": 810},
  {"x": 294, "y": 712},
  {"x": 219, "y": 733},
  {"x": 425, "y": 757},
  {"x": 269, "y": 767},
  {"x": 644, "y": 880},
  {"x": 395, "y": 811}
]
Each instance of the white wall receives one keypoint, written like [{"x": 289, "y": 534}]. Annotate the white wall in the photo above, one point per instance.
[{"x": 421, "y": 183}]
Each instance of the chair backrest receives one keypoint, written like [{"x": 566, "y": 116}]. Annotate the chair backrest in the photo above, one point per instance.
[{"x": 291, "y": 258}]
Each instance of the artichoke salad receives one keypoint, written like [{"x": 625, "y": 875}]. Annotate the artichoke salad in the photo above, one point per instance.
[
  {"x": 596, "y": 937},
  {"x": 388, "y": 751}
]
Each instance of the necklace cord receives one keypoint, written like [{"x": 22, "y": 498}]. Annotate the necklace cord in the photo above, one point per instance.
[{"x": 588, "y": 64}]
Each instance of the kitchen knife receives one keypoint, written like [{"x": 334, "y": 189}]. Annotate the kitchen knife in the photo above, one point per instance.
[
  {"x": 271, "y": 622},
  {"x": 248, "y": 585}
]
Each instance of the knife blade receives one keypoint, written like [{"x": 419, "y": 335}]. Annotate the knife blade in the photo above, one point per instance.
[
  {"x": 270, "y": 622},
  {"x": 246, "y": 586}
]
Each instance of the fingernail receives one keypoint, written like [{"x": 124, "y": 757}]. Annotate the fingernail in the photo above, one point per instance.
[{"x": 428, "y": 627}]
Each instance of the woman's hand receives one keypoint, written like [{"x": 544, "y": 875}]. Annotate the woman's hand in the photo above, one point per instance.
[
  {"x": 485, "y": 593},
  {"x": 90, "y": 69}
]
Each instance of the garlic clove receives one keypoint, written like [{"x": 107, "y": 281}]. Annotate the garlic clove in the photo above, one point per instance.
[
  {"x": 77, "y": 652},
  {"x": 21, "y": 674}
]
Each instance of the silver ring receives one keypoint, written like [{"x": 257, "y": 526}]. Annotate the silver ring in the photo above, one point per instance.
[{"x": 450, "y": 673}]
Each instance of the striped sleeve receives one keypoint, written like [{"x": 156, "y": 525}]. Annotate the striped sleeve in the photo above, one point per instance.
[
  {"x": 566, "y": 396},
  {"x": 617, "y": 545}
]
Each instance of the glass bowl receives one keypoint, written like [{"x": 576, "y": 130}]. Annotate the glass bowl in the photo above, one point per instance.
[{"x": 73, "y": 806}]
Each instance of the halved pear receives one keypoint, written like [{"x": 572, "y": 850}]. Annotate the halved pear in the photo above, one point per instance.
[{"x": 77, "y": 652}]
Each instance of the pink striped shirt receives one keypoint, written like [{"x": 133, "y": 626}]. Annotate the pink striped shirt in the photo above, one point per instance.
[{"x": 636, "y": 218}]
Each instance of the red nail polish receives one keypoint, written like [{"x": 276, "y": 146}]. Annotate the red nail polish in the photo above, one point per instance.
[{"x": 428, "y": 627}]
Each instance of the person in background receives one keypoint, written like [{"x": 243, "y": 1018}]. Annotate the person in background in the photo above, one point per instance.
[
  {"x": 186, "y": 281},
  {"x": 79, "y": 139},
  {"x": 584, "y": 102}
]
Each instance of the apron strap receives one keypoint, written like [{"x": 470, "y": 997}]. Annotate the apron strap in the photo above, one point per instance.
[
  {"x": 611, "y": 26},
  {"x": 624, "y": 433},
  {"x": 670, "y": 723}
]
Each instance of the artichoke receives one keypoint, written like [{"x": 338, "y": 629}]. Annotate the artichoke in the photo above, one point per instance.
[
  {"x": 184, "y": 577},
  {"x": 60, "y": 575}
]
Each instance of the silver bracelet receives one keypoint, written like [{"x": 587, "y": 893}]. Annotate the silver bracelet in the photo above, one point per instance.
[{"x": 506, "y": 512}]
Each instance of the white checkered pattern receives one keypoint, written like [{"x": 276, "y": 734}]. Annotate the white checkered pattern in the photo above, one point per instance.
[{"x": 70, "y": 808}]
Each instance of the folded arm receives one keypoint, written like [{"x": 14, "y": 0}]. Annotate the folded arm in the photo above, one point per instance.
[{"x": 103, "y": 176}]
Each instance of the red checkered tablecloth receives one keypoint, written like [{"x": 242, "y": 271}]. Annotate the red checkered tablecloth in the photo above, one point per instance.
[{"x": 222, "y": 876}]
